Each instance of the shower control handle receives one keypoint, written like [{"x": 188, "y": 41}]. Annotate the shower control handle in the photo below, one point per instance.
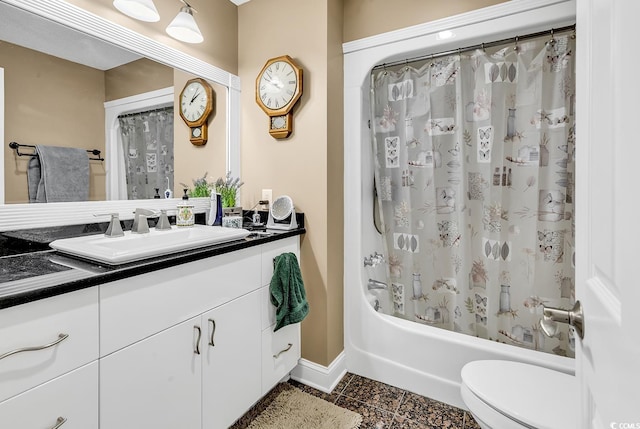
[{"x": 552, "y": 316}]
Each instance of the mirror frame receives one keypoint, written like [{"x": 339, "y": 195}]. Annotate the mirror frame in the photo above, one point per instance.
[{"x": 23, "y": 216}]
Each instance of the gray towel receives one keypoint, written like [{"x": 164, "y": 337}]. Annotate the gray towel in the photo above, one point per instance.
[{"x": 58, "y": 174}]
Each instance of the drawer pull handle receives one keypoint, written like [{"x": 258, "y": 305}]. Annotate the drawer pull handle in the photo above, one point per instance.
[
  {"x": 213, "y": 331},
  {"x": 61, "y": 337},
  {"x": 59, "y": 422},
  {"x": 276, "y": 356},
  {"x": 197, "y": 349}
]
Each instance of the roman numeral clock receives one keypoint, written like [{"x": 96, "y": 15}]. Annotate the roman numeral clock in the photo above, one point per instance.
[
  {"x": 196, "y": 105},
  {"x": 278, "y": 88}
]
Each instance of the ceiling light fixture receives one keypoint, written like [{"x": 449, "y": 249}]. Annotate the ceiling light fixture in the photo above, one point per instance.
[
  {"x": 184, "y": 27},
  {"x": 143, "y": 10}
]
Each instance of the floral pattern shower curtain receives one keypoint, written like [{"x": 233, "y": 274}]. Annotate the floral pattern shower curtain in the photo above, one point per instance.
[
  {"x": 147, "y": 141},
  {"x": 475, "y": 181}
]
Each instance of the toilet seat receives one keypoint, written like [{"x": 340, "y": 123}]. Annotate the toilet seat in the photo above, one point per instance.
[{"x": 529, "y": 396}]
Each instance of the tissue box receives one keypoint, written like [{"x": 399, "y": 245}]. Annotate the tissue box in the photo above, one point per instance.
[{"x": 232, "y": 221}]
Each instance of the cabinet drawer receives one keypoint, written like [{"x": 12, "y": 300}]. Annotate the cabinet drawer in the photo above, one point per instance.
[
  {"x": 73, "y": 397},
  {"x": 273, "y": 249},
  {"x": 40, "y": 323},
  {"x": 280, "y": 354},
  {"x": 138, "y": 307}
]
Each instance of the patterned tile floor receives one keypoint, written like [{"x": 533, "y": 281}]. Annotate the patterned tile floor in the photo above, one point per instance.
[{"x": 381, "y": 406}]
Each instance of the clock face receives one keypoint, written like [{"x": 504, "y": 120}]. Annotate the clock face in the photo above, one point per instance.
[
  {"x": 277, "y": 85},
  {"x": 193, "y": 102}
]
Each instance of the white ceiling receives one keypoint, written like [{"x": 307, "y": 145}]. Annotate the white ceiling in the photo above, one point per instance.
[
  {"x": 239, "y": 2},
  {"x": 40, "y": 34}
]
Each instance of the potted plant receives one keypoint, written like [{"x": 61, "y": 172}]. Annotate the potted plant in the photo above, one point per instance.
[{"x": 228, "y": 187}]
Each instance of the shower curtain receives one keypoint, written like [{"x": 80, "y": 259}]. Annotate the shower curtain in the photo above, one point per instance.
[
  {"x": 147, "y": 143},
  {"x": 474, "y": 171}
]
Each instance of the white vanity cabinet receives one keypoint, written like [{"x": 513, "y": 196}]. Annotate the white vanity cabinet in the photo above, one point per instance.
[
  {"x": 182, "y": 346},
  {"x": 42, "y": 345}
]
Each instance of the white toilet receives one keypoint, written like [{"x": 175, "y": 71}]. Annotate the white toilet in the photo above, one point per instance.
[{"x": 511, "y": 395}]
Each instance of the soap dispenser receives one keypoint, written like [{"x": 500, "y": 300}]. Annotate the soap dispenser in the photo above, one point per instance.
[{"x": 185, "y": 212}]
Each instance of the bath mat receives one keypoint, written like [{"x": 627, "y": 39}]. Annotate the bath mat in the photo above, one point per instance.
[{"x": 295, "y": 409}]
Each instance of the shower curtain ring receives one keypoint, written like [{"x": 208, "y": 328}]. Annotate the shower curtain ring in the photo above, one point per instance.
[
  {"x": 483, "y": 48},
  {"x": 515, "y": 48}
]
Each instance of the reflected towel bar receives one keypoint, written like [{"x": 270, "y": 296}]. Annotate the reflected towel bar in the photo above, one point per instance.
[{"x": 16, "y": 146}]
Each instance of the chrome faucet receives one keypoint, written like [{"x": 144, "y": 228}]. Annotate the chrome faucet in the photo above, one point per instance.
[
  {"x": 140, "y": 225},
  {"x": 375, "y": 284}
]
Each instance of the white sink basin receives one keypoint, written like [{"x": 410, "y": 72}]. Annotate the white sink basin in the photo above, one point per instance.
[{"x": 134, "y": 247}]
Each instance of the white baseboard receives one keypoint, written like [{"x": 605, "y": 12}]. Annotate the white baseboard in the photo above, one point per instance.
[{"x": 323, "y": 378}]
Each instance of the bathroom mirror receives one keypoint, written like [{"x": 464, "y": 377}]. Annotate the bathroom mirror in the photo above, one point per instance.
[{"x": 125, "y": 65}]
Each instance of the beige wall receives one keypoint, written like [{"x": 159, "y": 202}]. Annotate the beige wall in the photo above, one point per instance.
[
  {"x": 364, "y": 18},
  {"x": 54, "y": 102},
  {"x": 137, "y": 77},
  {"x": 296, "y": 166}
]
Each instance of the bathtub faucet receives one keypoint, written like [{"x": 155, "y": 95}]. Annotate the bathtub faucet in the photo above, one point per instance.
[{"x": 375, "y": 284}]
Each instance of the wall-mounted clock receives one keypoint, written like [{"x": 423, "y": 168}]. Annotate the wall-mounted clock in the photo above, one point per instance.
[
  {"x": 278, "y": 88},
  {"x": 196, "y": 105}
]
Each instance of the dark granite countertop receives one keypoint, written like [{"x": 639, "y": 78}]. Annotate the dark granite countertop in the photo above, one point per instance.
[{"x": 30, "y": 270}]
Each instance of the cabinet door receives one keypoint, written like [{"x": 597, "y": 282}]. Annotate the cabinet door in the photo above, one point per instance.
[
  {"x": 231, "y": 361},
  {"x": 154, "y": 383},
  {"x": 71, "y": 399}
]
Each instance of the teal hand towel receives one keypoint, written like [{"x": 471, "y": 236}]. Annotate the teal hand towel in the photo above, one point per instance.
[{"x": 287, "y": 291}]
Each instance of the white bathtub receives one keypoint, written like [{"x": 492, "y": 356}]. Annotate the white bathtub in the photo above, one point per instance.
[{"x": 419, "y": 358}]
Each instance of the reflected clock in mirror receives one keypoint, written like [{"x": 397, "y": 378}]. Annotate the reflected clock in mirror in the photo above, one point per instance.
[{"x": 196, "y": 105}]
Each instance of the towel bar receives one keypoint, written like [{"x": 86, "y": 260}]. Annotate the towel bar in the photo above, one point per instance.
[{"x": 16, "y": 146}]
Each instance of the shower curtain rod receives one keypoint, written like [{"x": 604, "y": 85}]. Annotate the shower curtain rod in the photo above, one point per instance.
[{"x": 482, "y": 46}]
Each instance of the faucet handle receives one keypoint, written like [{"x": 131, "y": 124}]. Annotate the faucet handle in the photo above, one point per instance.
[
  {"x": 163, "y": 221},
  {"x": 114, "y": 229}
]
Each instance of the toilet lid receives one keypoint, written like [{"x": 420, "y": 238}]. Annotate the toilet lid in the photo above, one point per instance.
[{"x": 535, "y": 396}]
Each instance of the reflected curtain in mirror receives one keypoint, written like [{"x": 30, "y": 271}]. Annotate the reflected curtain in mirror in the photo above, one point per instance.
[{"x": 147, "y": 152}]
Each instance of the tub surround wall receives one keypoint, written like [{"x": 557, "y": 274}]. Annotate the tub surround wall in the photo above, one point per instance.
[{"x": 419, "y": 358}]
